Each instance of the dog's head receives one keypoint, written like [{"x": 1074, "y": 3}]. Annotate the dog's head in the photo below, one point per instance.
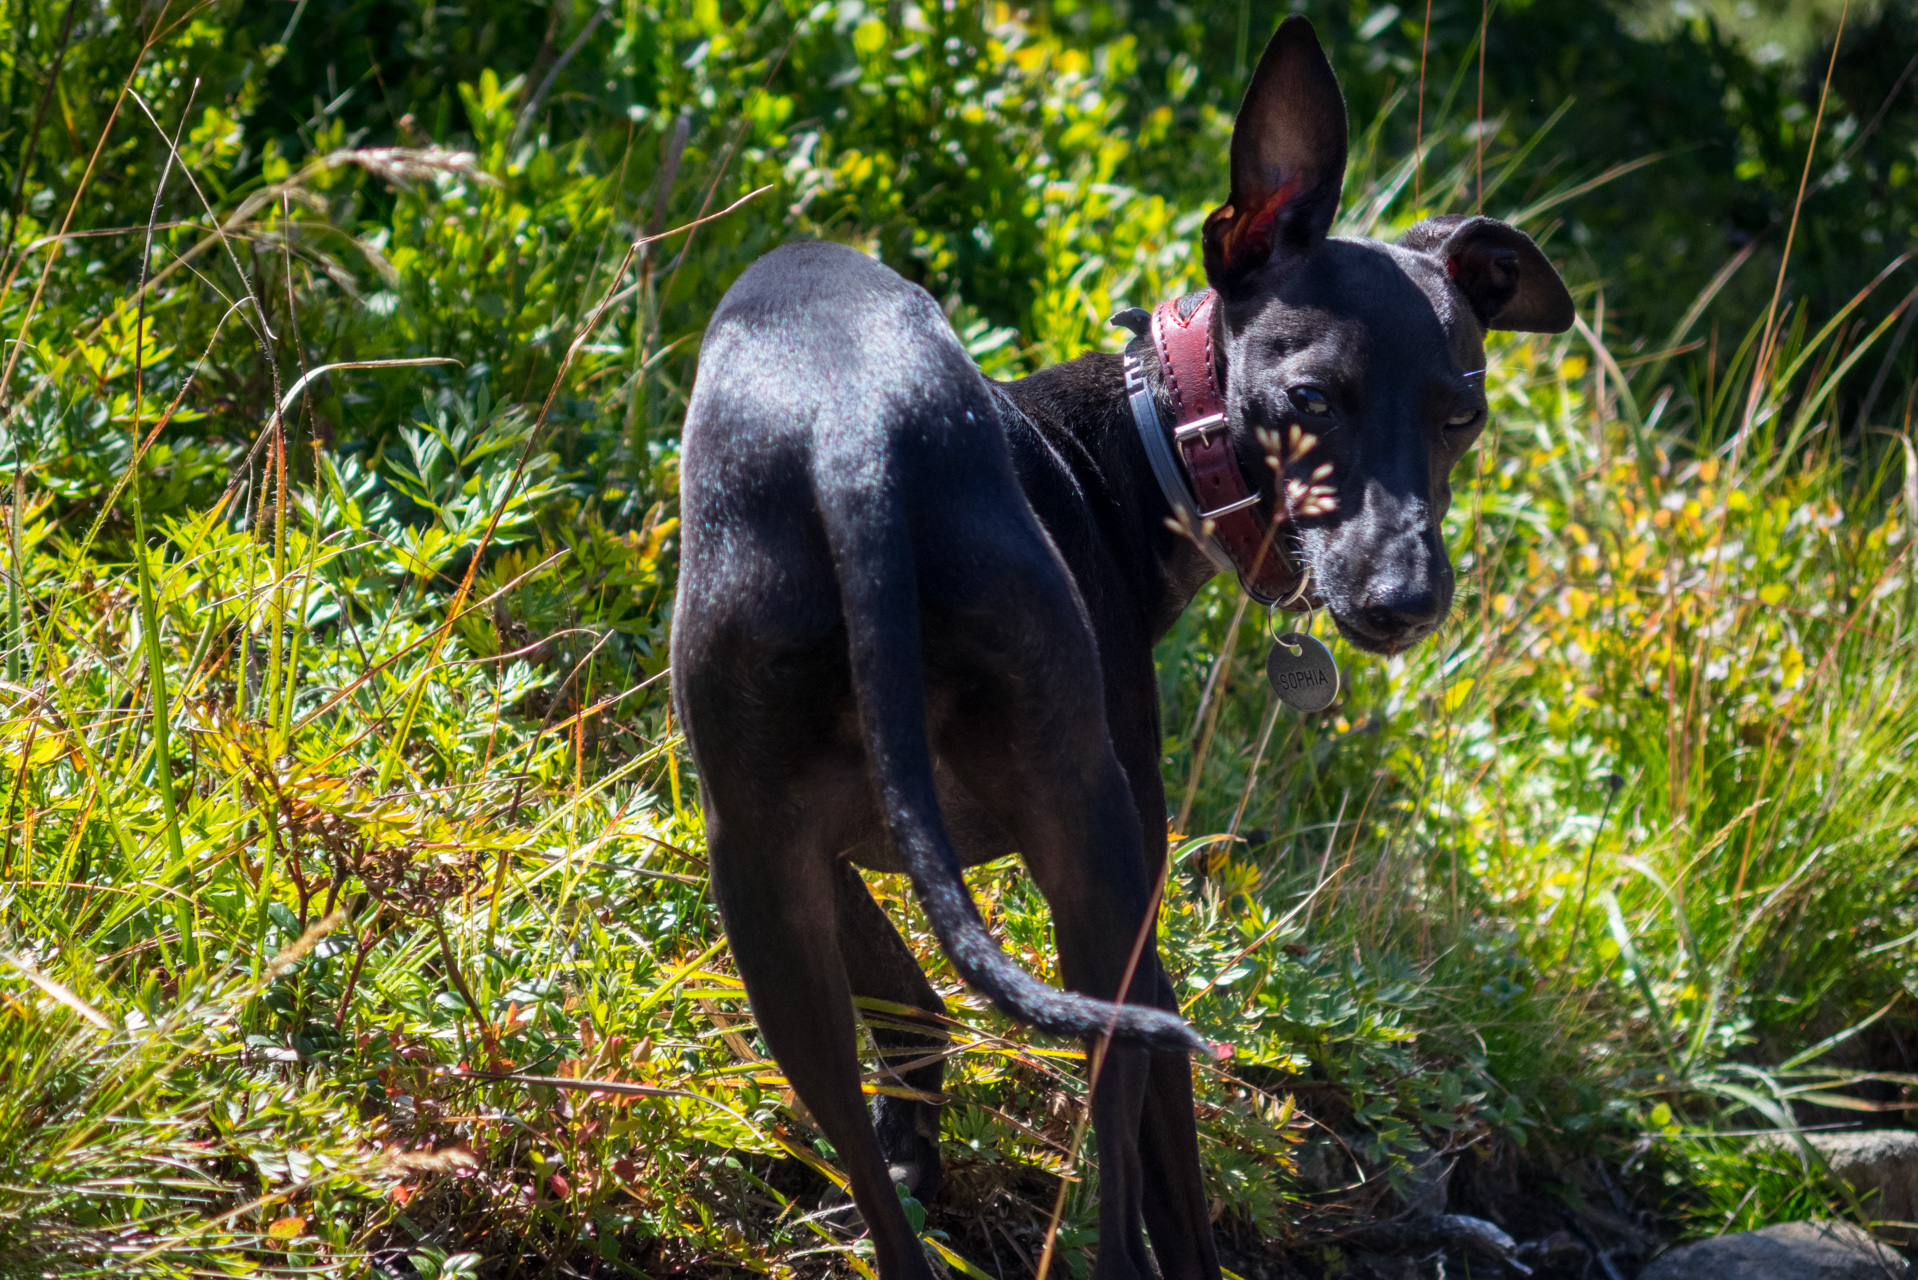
[{"x": 1358, "y": 365}]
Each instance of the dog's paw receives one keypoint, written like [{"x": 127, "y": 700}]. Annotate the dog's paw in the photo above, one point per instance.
[
  {"x": 919, "y": 1177},
  {"x": 916, "y": 1167},
  {"x": 909, "y": 1137}
]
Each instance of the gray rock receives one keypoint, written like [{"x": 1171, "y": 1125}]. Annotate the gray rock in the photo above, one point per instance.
[
  {"x": 1451, "y": 1231},
  {"x": 1789, "y": 1251},
  {"x": 1881, "y": 1161}
]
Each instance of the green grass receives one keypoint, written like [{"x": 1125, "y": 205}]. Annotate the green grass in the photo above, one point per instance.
[{"x": 348, "y": 834}]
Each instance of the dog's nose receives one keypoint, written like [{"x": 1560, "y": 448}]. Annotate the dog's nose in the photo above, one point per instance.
[{"x": 1402, "y": 610}]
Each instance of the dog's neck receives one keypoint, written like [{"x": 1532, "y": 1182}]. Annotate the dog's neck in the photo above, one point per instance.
[{"x": 1080, "y": 411}]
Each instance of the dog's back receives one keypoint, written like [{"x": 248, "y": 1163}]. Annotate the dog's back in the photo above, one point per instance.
[
  {"x": 827, "y": 385},
  {"x": 819, "y": 365},
  {"x": 849, "y": 506}
]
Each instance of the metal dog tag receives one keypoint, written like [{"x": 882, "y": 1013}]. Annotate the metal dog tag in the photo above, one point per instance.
[{"x": 1302, "y": 672}]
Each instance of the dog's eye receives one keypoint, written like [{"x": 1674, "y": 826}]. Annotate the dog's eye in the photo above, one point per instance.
[
  {"x": 1311, "y": 402},
  {"x": 1465, "y": 418}
]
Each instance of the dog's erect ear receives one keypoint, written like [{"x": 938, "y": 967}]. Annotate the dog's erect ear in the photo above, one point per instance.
[
  {"x": 1500, "y": 271},
  {"x": 1288, "y": 159}
]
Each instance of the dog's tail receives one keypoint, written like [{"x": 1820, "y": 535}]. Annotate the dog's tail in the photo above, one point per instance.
[{"x": 871, "y": 540}]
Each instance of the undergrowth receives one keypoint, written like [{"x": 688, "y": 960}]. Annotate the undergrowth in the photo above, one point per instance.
[{"x": 352, "y": 913}]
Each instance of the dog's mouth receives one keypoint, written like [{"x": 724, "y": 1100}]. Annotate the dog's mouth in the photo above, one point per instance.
[
  {"x": 1375, "y": 640},
  {"x": 1374, "y": 630}
]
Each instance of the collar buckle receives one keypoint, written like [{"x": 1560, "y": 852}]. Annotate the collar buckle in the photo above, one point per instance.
[
  {"x": 1241, "y": 505},
  {"x": 1199, "y": 427}
]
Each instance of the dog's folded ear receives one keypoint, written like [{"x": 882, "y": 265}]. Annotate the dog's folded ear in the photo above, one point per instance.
[
  {"x": 1503, "y": 275},
  {"x": 1288, "y": 159}
]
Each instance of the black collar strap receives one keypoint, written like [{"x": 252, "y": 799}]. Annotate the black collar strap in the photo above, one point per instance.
[
  {"x": 1158, "y": 450},
  {"x": 1195, "y": 460}
]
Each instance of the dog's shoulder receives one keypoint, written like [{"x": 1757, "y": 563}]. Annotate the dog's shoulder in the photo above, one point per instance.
[{"x": 1073, "y": 401}]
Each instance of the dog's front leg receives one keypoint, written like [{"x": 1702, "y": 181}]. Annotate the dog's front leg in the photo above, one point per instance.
[
  {"x": 1176, "y": 1213},
  {"x": 1177, "y": 1216},
  {"x": 1080, "y": 836},
  {"x": 1097, "y": 918}
]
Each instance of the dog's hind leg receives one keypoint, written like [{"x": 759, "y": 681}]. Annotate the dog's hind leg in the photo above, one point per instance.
[
  {"x": 775, "y": 891},
  {"x": 879, "y": 966}
]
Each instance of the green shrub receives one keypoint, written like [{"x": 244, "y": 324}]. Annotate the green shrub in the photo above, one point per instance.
[{"x": 348, "y": 834}]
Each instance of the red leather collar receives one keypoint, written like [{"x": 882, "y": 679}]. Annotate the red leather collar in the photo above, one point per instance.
[{"x": 1228, "y": 509}]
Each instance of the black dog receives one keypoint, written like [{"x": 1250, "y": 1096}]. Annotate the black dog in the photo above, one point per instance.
[{"x": 917, "y": 608}]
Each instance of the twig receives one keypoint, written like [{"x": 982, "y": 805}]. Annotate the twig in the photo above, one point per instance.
[
  {"x": 19, "y": 783},
  {"x": 19, "y": 344},
  {"x": 686, "y": 249},
  {"x": 538, "y": 99},
  {"x": 453, "y": 972},
  {"x": 1418, "y": 129},
  {"x": 1884, "y": 368},
  {"x": 1258, "y": 758},
  {"x": 1765, "y": 350},
  {"x": 186, "y": 171},
  {"x": 559, "y": 698},
  {"x": 368, "y": 941},
  {"x": 465, "y": 588},
  {"x": 39, "y": 118},
  {"x": 149, "y": 605},
  {"x": 1877, "y": 119},
  {"x": 1478, "y": 120},
  {"x": 1100, "y": 1051},
  {"x": 1222, "y": 674},
  {"x": 1613, "y": 785}
]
